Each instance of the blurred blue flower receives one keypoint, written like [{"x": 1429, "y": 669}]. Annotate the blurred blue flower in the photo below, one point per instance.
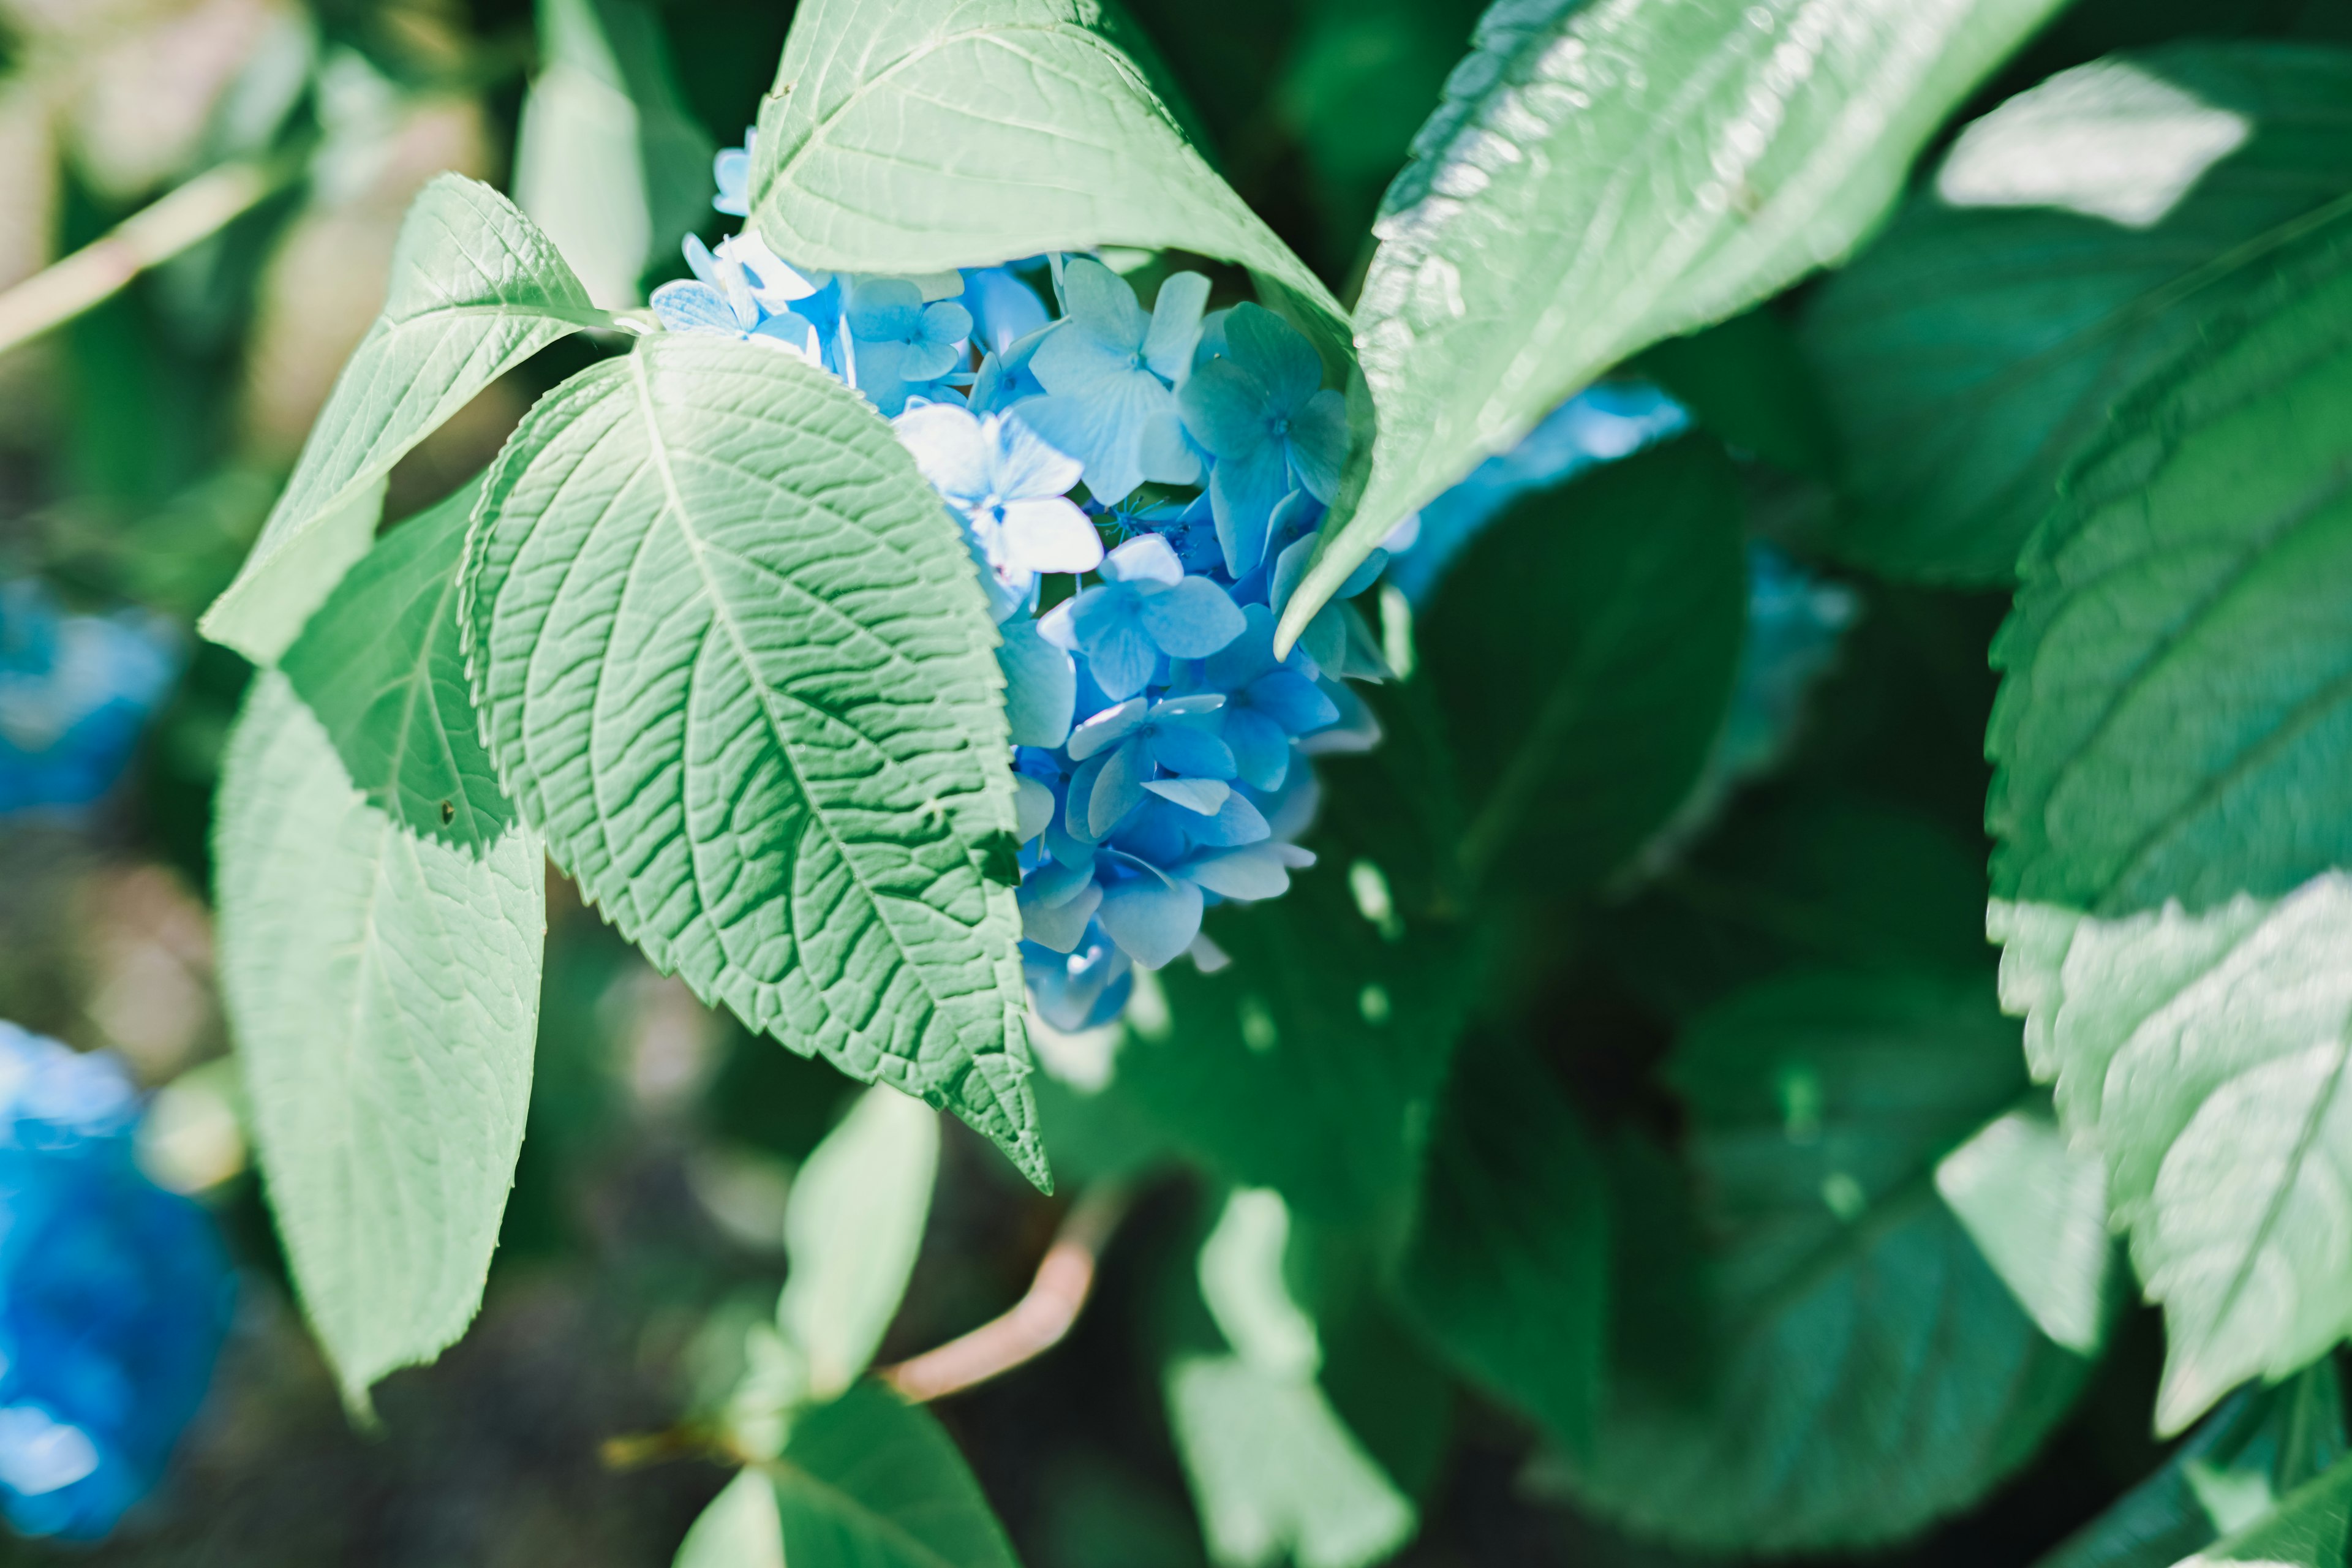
[
  {"x": 1145, "y": 607},
  {"x": 1261, "y": 410},
  {"x": 114, "y": 1295},
  {"x": 1087, "y": 988},
  {"x": 733, "y": 169},
  {"x": 1009, "y": 488},
  {"x": 1599, "y": 425},
  {"x": 75, "y": 692},
  {"x": 1107, "y": 370}
]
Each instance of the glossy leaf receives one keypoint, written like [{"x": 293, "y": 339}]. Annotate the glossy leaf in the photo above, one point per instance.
[
  {"x": 869, "y": 1481},
  {"x": 904, "y": 136},
  {"x": 382, "y": 668},
  {"x": 1599, "y": 178},
  {"x": 383, "y": 989},
  {"x": 2076, "y": 239},
  {"x": 733, "y": 661},
  {"x": 2306, "y": 1529},
  {"x": 1508, "y": 1268},
  {"x": 2174, "y": 733},
  {"x": 2037, "y": 1209},
  {"x": 476, "y": 291},
  {"x": 1860, "y": 1371},
  {"x": 851, "y": 1226},
  {"x": 2261, "y": 1446}
]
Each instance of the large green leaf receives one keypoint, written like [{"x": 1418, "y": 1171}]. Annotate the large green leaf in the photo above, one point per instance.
[
  {"x": 2036, "y": 1208},
  {"x": 476, "y": 291},
  {"x": 1973, "y": 352},
  {"x": 380, "y": 666},
  {"x": 732, "y": 660},
  {"x": 384, "y": 991},
  {"x": 908, "y": 136},
  {"x": 607, "y": 160},
  {"x": 1599, "y": 178},
  {"x": 1509, "y": 1269},
  {"x": 1861, "y": 1370},
  {"x": 2175, "y": 737},
  {"x": 2306, "y": 1529},
  {"x": 1579, "y": 655},
  {"x": 869, "y": 1481},
  {"x": 2261, "y": 1445}
]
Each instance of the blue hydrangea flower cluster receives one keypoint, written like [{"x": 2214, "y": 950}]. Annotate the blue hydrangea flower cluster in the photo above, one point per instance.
[
  {"x": 75, "y": 692},
  {"x": 1176, "y": 462},
  {"x": 114, "y": 1295}
]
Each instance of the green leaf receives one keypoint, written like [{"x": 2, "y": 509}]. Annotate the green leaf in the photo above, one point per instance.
[
  {"x": 384, "y": 991},
  {"x": 1508, "y": 1268},
  {"x": 1974, "y": 351},
  {"x": 607, "y": 160},
  {"x": 1275, "y": 1474},
  {"x": 2307, "y": 1529},
  {"x": 380, "y": 668},
  {"x": 2174, "y": 734},
  {"x": 1746, "y": 380},
  {"x": 2038, "y": 1211},
  {"x": 869, "y": 1481},
  {"x": 733, "y": 661},
  {"x": 1580, "y": 654},
  {"x": 476, "y": 291},
  {"x": 1311, "y": 1064},
  {"x": 852, "y": 1227},
  {"x": 1058, "y": 143},
  {"x": 1859, "y": 1372},
  {"x": 1599, "y": 178},
  {"x": 2261, "y": 1445}
]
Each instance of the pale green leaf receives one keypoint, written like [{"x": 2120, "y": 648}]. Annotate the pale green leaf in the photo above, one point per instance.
[
  {"x": 2261, "y": 1446},
  {"x": 733, "y": 661},
  {"x": 1857, "y": 1369},
  {"x": 852, "y": 1227},
  {"x": 384, "y": 991},
  {"x": 476, "y": 291},
  {"x": 867, "y": 1481},
  {"x": 910, "y": 136},
  {"x": 1242, "y": 1282},
  {"x": 382, "y": 668},
  {"x": 1599, "y": 178},
  {"x": 2038, "y": 1211},
  {"x": 740, "y": 1528},
  {"x": 607, "y": 160},
  {"x": 1275, "y": 1472},
  {"x": 2174, "y": 735},
  {"x": 2306, "y": 1529},
  {"x": 1509, "y": 1266},
  {"x": 2076, "y": 239}
]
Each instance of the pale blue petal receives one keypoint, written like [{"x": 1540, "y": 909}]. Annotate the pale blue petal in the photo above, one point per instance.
[
  {"x": 1248, "y": 656},
  {"x": 1145, "y": 560},
  {"x": 883, "y": 309},
  {"x": 1225, "y": 407},
  {"x": 1040, "y": 687},
  {"x": 732, "y": 169},
  {"x": 1167, "y": 454},
  {"x": 1004, "y": 309},
  {"x": 1118, "y": 789},
  {"x": 1204, "y": 796},
  {"x": 1175, "y": 325},
  {"x": 949, "y": 447},
  {"x": 1106, "y": 728},
  {"x": 947, "y": 322},
  {"x": 1236, "y": 822},
  {"x": 1293, "y": 702},
  {"x": 1028, "y": 465},
  {"x": 1033, "y": 807},
  {"x": 1243, "y": 492},
  {"x": 1190, "y": 620},
  {"x": 1191, "y": 750},
  {"x": 1049, "y": 536},
  {"x": 1062, "y": 926},
  {"x": 1102, "y": 304},
  {"x": 1261, "y": 748},
  {"x": 1248, "y": 873},
  {"x": 1318, "y": 444},
  {"x": 1271, "y": 349},
  {"x": 1054, "y": 884},
  {"x": 1152, "y": 918},
  {"x": 1358, "y": 727}
]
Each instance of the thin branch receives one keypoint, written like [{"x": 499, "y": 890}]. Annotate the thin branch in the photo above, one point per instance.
[
  {"x": 1036, "y": 1322},
  {"x": 154, "y": 234}
]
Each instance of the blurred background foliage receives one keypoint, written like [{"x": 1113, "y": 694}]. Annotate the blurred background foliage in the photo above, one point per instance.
[{"x": 140, "y": 447}]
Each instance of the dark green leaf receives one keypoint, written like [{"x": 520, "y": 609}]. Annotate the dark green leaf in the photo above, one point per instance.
[
  {"x": 1509, "y": 1269},
  {"x": 1972, "y": 354},
  {"x": 1748, "y": 380},
  {"x": 732, "y": 655},
  {"x": 1862, "y": 1371}
]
